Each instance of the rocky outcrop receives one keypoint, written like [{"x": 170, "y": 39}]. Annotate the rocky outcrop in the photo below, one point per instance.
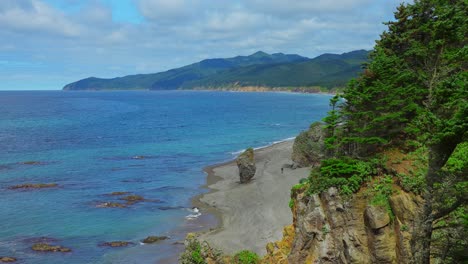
[
  {"x": 131, "y": 199},
  {"x": 330, "y": 229},
  {"x": 29, "y": 186},
  {"x": 246, "y": 164},
  {"x": 44, "y": 247},
  {"x": 309, "y": 146},
  {"x": 278, "y": 252},
  {"x": 153, "y": 239},
  {"x": 7, "y": 259},
  {"x": 111, "y": 205},
  {"x": 116, "y": 244}
]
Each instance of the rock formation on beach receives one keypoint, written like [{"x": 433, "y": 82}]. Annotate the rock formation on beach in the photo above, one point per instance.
[
  {"x": 309, "y": 146},
  {"x": 246, "y": 164}
]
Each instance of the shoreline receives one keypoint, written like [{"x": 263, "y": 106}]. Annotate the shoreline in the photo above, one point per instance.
[
  {"x": 250, "y": 223},
  {"x": 211, "y": 220},
  {"x": 212, "y": 178},
  {"x": 270, "y": 90}
]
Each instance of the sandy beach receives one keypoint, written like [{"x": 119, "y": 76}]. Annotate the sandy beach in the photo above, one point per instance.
[{"x": 252, "y": 214}]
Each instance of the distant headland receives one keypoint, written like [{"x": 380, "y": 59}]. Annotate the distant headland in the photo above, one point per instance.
[{"x": 276, "y": 71}]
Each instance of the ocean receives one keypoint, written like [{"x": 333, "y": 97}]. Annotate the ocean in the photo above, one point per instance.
[{"x": 152, "y": 144}]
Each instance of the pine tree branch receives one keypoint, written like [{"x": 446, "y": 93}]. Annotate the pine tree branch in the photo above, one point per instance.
[{"x": 448, "y": 210}]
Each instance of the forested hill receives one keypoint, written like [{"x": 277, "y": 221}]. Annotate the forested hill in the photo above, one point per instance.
[{"x": 258, "y": 69}]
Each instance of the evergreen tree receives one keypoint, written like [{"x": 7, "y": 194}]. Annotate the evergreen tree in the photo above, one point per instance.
[{"x": 415, "y": 87}]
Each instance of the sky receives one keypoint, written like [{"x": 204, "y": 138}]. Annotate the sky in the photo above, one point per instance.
[{"x": 45, "y": 44}]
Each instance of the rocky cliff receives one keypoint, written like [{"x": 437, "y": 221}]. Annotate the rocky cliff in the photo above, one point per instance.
[
  {"x": 309, "y": 146},
  {"x": 328, "y": 228}
]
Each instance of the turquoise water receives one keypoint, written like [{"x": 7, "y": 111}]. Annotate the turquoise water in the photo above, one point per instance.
[{"x": 89, "y": 142}]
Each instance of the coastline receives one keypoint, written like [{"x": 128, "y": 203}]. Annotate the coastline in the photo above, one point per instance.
[
  {"x": 234, "y": 90},
  {"x": 261, "y": 89},
  {"x": 249, "y": 215}
]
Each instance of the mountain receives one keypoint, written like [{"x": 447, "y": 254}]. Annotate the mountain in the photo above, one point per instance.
[
  {"x": 258, "y": 69},
  {"x": 327, "y": 70}
]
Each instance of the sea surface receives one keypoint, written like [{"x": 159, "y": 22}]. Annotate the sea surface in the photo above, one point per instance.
[{"x": 153, "y": 144}]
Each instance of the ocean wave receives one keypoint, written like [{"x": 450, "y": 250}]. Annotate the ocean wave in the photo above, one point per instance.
[
  {"x": 236, "y": 153},
  {"x": 194, "y": 215}
]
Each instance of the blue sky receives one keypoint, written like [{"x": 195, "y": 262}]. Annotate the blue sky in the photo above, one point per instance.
[{"x": 46, "y": 44}]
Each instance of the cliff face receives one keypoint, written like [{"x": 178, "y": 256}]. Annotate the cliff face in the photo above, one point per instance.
[
  {"x": 309, "y": 146},
  {"x": 331, "y": 229}
]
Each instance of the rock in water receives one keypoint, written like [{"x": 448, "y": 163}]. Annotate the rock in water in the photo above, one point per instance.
[
  {"x": 154, "y": 239},
  {"x": 246, "y": 164},
  {"x": 44, "y": 247},
  {"x": 7, "y": 259},
  {"x": 116, "y": 244}
]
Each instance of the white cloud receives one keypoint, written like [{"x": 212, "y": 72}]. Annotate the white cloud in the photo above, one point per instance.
[
  {"x": 85, "y": 41},
  {"x": 304, "y": 7},
  {"x": 163, "y": 11},
  {"x": 35, "y": 15}
]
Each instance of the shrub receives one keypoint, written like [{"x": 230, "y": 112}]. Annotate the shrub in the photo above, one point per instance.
[
  {"x": 192, "y": 254},
  {"x": 246, "y": 257},
  {"x": 344, "y": 173}
]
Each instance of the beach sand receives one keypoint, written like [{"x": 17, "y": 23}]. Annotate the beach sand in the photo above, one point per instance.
[{"x": 252, "y": 214}]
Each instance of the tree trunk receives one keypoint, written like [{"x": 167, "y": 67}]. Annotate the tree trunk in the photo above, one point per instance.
[
  {"x": 421, "y": 242},
  {"x": 422, "y": 236}
]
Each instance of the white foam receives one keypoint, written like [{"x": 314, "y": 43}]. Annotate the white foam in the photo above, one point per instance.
[
  {"x": 195, "y": 213},
  {"x": 236, "y": 153}
]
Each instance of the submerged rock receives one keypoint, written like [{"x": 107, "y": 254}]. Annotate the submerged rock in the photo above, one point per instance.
[
  {"x": 44, "y": 247},
  {"x": 111, "y": 205},
  {"x": 118, "y": 193},
  {"x": 154, "y": 239},
  {"x": 32, "y": 162},
  {"x": 33, "y": 186},
  {"x": 116, "y": 244},
  {"x": 7, "y": 259},
  {"x": 131, "y": 199},
  {"x": 246, "y": 164}
]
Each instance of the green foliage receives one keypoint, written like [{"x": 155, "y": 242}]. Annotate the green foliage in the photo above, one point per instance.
[
  {"x": 414, "y": 90},
  {"x": 344, "y": 173},
  {"x": 291, "y": 203},
  {"x": 298, "y": 186},
  {"x": 192, "y": 254},
  {"x": 414, "y": 181},
  {"x": 246, "y": 257},
  {"x": 380, "y": 191},
  {"x": 325, "y": 230}
]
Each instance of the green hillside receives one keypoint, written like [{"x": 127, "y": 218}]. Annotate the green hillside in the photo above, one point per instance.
[
  {"x": 258, "y": 69},
  {"x": 328, "y": 70}
]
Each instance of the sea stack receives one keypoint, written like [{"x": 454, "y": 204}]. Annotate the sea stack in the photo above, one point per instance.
[{"x": 246, "y": 165}]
